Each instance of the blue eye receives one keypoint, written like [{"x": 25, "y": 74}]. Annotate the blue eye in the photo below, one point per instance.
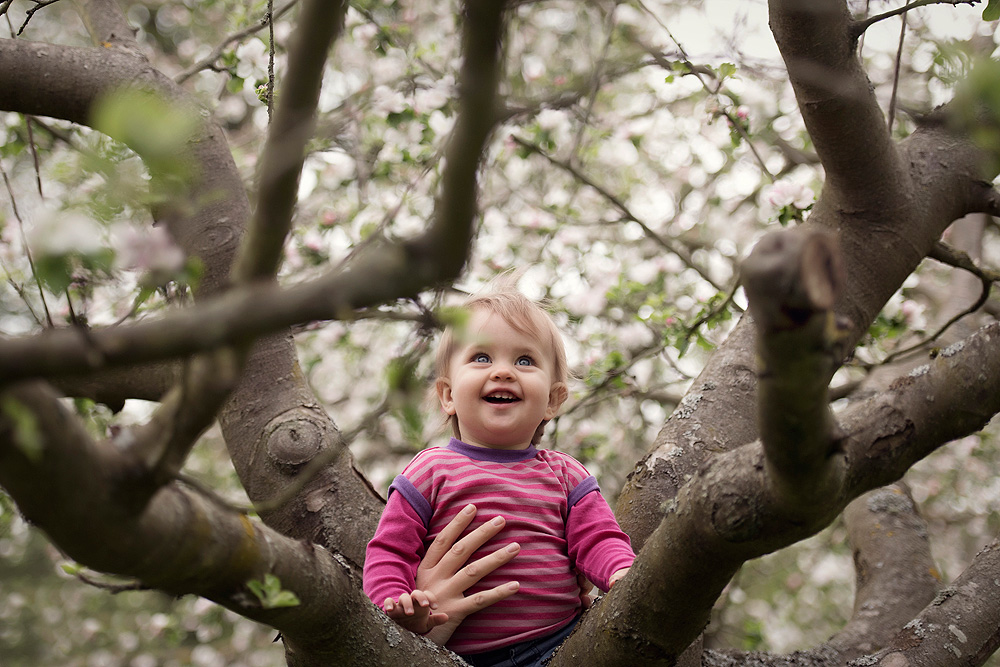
[
  {"x": 524, "y": 361},
  {"x": 481, "y": 358}
]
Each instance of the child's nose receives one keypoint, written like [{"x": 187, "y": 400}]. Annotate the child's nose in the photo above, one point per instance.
[{"x": 502, "y": 371}]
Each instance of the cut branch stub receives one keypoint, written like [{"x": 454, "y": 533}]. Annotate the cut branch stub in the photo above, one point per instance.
[
  {"x": 790, "y": 275},
  {"x": 792, "y": 280}
]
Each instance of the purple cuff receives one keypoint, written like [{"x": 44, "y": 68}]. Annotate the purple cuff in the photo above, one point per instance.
[
  {"x": 414, "y": 497},
  {"x": 586, "y": 485}
]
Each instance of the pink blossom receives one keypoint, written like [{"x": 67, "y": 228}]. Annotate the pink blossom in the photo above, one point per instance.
[
  {"x": 788, "y": 193},
  {"x": 152, "y": 251}
]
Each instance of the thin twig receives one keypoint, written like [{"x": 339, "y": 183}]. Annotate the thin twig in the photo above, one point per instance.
[
  {"x": 24, "y": 242},
  {"x": 707, "y": 317},
  {"x": 210, "y": 59},
  {"x": 714, "y": 92},
  {"x": 860, "y": 27},
  {"x": 861, "y": 39},
  {"x": 112, "y": 588},
  {"x": 620, "y": 205},
  {"x": 983, "y": 296},
  {"x": 34, "y": 155},
  {"x": 596, "y": 84},
  {"x": 895, "y": 75},
  {"x": 270, "y": 60},
  {"x": 946, "y": 254},
  {"x": 39, "y": 4}
]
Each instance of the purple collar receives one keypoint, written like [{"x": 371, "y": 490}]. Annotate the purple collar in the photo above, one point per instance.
[{"x": 494, "y": 455}]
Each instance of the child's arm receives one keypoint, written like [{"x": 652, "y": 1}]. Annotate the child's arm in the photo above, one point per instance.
[
  {"x": 394, "y": 552},
  {"x": 597, "y": 545}
]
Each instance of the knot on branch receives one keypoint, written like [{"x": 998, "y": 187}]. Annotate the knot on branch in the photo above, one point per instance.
[{"x": 294, "y": 438}]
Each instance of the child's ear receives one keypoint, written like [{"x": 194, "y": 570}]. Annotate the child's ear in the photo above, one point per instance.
[
  {"x": 557, "y": 396},
  {"x": 443, "y": 388}
]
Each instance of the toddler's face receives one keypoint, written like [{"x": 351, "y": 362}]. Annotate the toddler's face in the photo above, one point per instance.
[{"x": 500, "y": 384}]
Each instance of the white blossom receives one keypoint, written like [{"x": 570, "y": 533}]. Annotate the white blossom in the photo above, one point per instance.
[
  {"x": 64, "y": 232},
  {"x": 150, "y": 251},
  {"x": 386, "y": 100}
]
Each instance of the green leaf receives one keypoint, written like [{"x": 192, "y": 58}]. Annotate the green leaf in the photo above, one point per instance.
[
  {"x": 726, "y": 70},
  {"x": 452, "y": 316},
  {"x": 150, "y": 125},
  {"x": 55, "y": 271},
  {"x": 27, "y": 435},
  {"x": 72, "y": 569},
  {"x": 271, "y": 595},
  {"x": 992, "y": 11}
]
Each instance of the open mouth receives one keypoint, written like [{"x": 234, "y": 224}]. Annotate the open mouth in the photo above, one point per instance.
[{"x": 501, "y": 398}]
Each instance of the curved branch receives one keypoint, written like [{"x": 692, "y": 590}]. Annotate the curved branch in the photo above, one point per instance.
[
  {"x": 961, "y": 626},
  {"x": 184, "y": 542},
  {"x": 860, "y": 27},
  {"x": 895, "y": 574},
  {"x": 319, "y": 24},
  {"x": 895, "y": 580},
  {"x": 728, "y": 512}
]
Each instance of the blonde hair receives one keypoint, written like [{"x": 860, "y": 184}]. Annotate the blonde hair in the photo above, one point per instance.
[{"x": 524, "y": 315}]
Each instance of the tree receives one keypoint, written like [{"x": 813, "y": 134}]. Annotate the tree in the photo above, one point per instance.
[{"x": 752, "y": 460}]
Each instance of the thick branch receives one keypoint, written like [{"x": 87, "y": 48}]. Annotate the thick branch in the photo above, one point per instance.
[
  {"x": 961, "y": 626},
  {"x": 818, "y": 47},
  {"x": 728, "y": 513},
  {"x": 113, "y": 387}
]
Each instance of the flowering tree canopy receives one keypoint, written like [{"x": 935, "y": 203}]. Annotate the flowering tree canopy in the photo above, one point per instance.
[{"x": 244, "y": 223}]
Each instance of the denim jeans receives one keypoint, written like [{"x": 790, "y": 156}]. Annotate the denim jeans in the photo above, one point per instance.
[{"x": 531, "y": 653}]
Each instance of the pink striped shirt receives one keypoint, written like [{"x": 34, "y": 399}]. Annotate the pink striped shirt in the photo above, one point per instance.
[{"x": 535, "y": 491}]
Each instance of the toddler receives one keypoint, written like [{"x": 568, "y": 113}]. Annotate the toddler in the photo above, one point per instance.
[{"x": 501, "y": 377}]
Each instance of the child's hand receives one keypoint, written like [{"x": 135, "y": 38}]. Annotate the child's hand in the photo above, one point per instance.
[
  {"x": 586, "y": 590},
  {"x": 415, "y": 611},
  {"x": 616, "y": 577}
]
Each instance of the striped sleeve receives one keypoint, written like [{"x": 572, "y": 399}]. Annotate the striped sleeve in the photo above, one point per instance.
[
  {"x": 597, "y": 545},
  {"x": 393, "y": 555}
]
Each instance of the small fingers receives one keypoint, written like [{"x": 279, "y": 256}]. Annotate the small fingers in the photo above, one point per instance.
[{"x": 423, "y": 599}]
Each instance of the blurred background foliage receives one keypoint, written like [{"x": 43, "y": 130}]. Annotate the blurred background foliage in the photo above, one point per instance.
[{"x": 645, "y": 147}]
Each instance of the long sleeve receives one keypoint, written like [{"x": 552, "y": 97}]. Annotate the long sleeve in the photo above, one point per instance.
[
  {"x": 395, "y": 552},
  {"x": 596, "y": 544}
]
